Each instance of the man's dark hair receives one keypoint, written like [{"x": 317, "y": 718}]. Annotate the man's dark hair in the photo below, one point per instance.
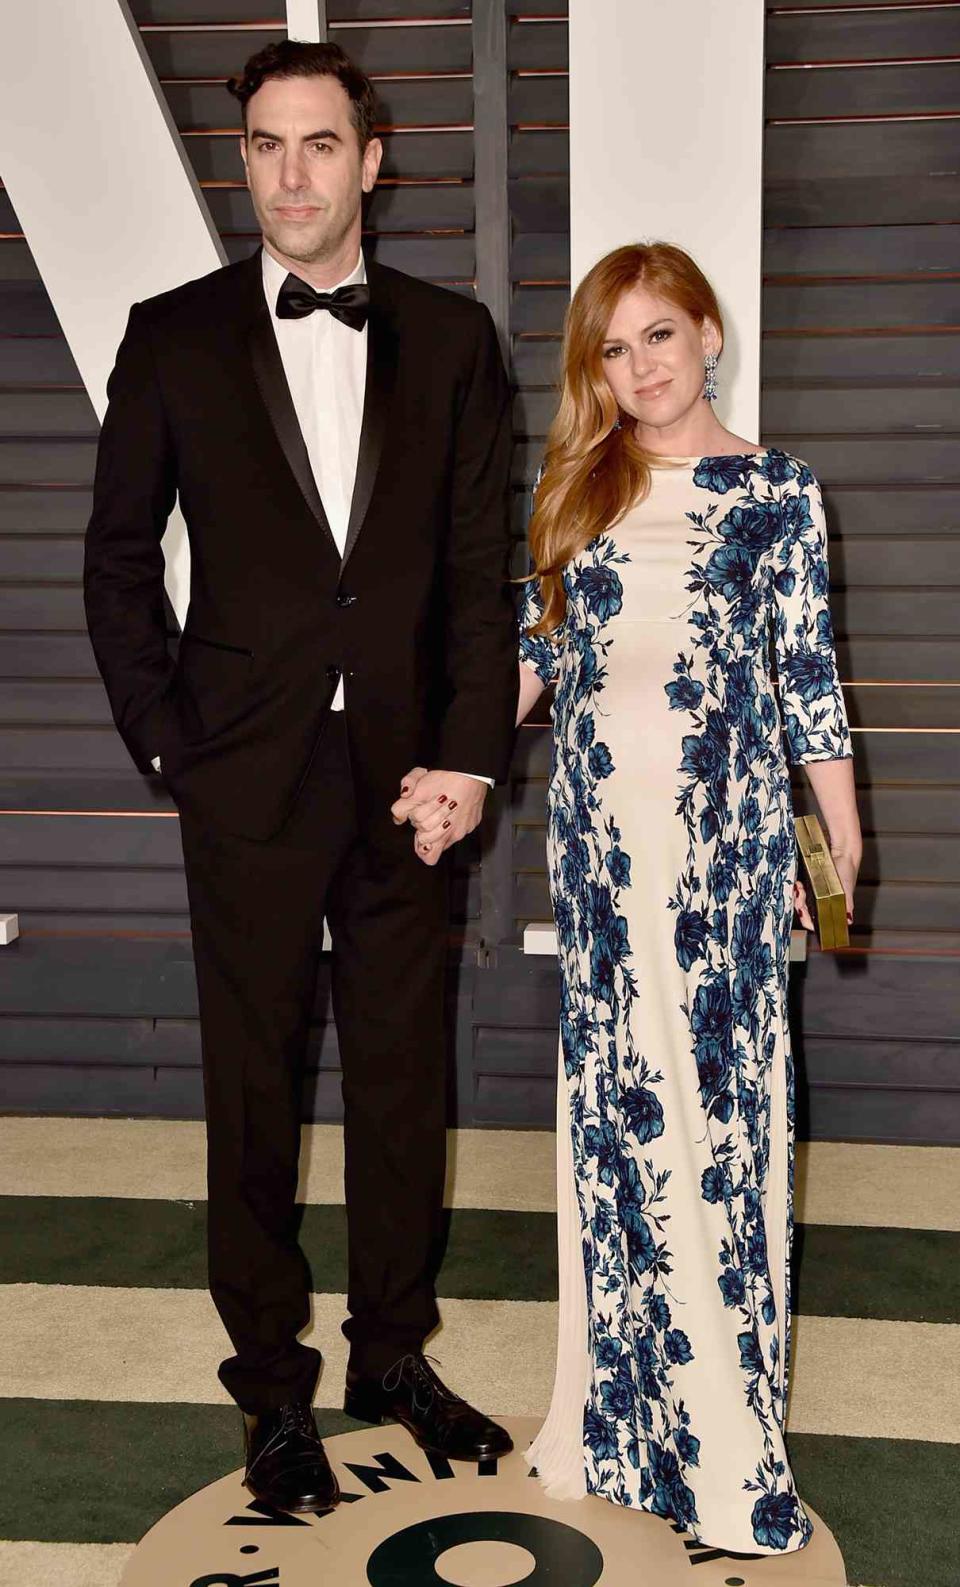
[{"x": 292, "y": 58}]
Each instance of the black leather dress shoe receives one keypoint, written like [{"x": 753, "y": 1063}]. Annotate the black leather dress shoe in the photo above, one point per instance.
[
  {"x": 287, "y": 1465},
  {"x": 440, "y": 1421}
]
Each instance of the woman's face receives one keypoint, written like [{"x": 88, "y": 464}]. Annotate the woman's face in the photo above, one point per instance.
[{"x": 653, "y": 358}]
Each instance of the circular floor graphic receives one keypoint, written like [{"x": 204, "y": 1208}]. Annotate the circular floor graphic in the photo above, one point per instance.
[{"x": 412, "y": 1520}]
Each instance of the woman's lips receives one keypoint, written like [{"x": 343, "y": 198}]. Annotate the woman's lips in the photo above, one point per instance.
[{"x": 647, "y": 392}]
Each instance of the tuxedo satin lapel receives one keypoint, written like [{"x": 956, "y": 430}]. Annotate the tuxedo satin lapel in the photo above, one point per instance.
[
  {"x": 382, "y": 349},
  {"x": 268, "y": 368}
]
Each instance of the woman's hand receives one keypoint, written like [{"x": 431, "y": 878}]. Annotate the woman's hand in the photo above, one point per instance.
[
  {"x": 848, "y": 866},
  {"x": 801, "y": 907},
  {"x": 441, "y": 806}
]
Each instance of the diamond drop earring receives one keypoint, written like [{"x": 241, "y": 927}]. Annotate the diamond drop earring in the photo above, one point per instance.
[{"x": 710, "y": 362}]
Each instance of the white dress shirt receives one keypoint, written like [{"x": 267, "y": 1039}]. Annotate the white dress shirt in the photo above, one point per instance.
[{"x": 325, "y": 363}]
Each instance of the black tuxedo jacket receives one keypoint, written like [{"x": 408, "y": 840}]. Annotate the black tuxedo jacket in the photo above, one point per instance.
[{"x": 417, "y": 617}]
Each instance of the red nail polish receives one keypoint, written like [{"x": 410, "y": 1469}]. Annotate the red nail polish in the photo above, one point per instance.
[
  {"x": 453, "y": 804},
  {"x": 441, "y": 799},
  {"x": 405, "y": 789},
  {"x": 445, "y": 825}
]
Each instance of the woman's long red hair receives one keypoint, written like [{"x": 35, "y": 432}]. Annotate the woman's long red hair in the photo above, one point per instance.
[{"x": 594, "y": 470}]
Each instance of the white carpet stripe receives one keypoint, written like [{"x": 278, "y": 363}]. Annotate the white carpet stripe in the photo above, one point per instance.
[
  {"x": 906, "y": 1187},
  {"x": 164, "y": 1160},
  {"x": 63, "y": 1564},
  {"x": 863, "y": 1378},
  {"x": 895, "y": 1187}
]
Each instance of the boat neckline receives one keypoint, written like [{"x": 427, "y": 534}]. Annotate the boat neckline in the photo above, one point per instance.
[{"x": 705, "y": 457}]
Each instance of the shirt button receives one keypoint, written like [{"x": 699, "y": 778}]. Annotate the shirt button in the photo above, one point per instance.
[
  {"x": 343, "y": 599},
  {"x": 333, "y": 674}
]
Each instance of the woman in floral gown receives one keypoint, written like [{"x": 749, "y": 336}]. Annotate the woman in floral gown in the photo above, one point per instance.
[{"x": 674, "y": 558}]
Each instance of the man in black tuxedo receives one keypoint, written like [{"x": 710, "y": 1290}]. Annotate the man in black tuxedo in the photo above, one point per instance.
[{"x": 339, "y": 436}]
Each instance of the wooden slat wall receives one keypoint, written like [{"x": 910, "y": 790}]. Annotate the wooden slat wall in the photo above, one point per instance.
[{"x": 861, "y": 356}]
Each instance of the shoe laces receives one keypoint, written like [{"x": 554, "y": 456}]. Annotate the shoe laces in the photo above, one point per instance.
[
  {"x": 416, "y": 1372},
  {"x": 297, "y": 1418}
]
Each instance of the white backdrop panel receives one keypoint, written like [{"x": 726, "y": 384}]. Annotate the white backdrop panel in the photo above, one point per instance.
[{"x": 666, "y": 141}]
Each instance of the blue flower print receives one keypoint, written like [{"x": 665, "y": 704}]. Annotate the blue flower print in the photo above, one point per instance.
[
  {"x": 643, "y": 1111},
  {"x": 732, "y": 1287},
  {"x": 777, "y": 467},
  {"x": 689, "y": 936},
  {"x": 608, "y": 1350},
  {"x": 600, "y": 761},
  {"x": 721, "y": 474},
  {"x": 687, "y": 1446},
  {"x": 755, "y": 528},
  {"x": 809, "y": 674},
  {"x": 684, "y": 693},
  {"x": 659, "y": 1312},
  {"x": 751, "y": 1356},
  {"x": 601, "y": 590},
  {"x": 618, "y": 866},
  {"x": 774, "y": 1520},
  {"x": 731, "y": 572},
  {"x": 677, "y": 1347},
  {"x": 715, "y": 1183},
  {"x": 600, "y": 1436}
]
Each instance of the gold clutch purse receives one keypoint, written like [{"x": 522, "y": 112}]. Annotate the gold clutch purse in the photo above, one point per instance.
[{"x": 828, "y": 901}]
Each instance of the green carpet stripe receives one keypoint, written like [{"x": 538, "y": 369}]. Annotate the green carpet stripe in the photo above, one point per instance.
[
  {"x": 160, "y": 1245},
  {"x": 901, "y": 1275},
  {"x": 908, "y": 1275},
  {"x": 888, "y": 1502},
  {"x": 91, "y": 1472}
]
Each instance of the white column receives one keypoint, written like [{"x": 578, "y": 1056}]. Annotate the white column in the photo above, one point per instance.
[
  {"x": 101, "y": 186},
  {"x": 307, "y": 20},
  {"x": 666, "y": 142}
]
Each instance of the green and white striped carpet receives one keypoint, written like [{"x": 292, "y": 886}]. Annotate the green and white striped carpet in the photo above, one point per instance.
[{"x": 112, "y": 1413}]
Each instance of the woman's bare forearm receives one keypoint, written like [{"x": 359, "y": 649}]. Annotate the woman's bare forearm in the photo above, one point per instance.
[
  {"x": 530, "y": 691},
  {"x": 833, "y": 786}
]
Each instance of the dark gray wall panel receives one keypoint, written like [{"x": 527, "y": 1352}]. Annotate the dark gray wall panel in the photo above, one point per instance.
[
  {"x": 928, "y": 87},
  {"x": 866, "y": 33}
]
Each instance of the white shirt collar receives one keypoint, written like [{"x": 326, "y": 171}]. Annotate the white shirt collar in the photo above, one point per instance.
[{"x": 275, "y": 274}]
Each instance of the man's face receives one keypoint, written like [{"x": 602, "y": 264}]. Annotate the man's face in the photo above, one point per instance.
[{"x": 305, "y": 169}]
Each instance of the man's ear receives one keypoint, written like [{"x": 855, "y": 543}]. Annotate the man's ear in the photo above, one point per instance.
[
  {"x": 372, "y": 156},
  {"x": 243, "y": 156}
]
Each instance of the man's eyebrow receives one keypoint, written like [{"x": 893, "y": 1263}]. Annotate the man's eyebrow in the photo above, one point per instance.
[{"x": 326, "y": 134}]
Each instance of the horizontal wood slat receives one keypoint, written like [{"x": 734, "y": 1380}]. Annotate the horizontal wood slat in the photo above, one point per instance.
[
  {"x": 884, "y": 357},
  {"x": 232, "y": 12},
  {"x": 861, "y": 90},
  {"x": 872, "y": 151},
  {"x": 861, "y": 250},
  {"x": 377, "y": 50},
  {"x": 867, "y": 33},
  {"x": 852, "y": 200}
]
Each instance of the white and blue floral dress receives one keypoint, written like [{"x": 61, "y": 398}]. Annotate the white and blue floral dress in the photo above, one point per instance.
[{"x": 672, "y": 857}]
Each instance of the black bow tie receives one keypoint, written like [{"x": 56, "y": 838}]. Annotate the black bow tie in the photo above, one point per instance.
[{"x": 350, "y": 305}]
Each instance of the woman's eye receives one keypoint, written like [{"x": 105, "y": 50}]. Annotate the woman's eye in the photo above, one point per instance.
[
  {"x": 613, "y": 352},
  {"x": 661, "y": 336}
]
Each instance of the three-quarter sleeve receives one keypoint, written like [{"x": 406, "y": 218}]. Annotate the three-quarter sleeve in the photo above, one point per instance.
[
  {"x": 537, "y": 651},
  {"x": 811, "y": 700}
]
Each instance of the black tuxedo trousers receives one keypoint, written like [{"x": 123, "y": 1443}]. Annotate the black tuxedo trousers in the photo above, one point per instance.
[{"x": 257, "y": 911}]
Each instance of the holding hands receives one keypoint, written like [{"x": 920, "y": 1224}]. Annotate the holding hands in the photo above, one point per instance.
[{"x": 441, "y": 806}]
